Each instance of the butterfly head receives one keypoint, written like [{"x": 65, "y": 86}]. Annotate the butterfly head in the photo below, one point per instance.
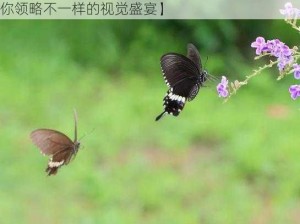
[
  {"x": 76, "y": 146},
  {"x": 203, "y": 77}
]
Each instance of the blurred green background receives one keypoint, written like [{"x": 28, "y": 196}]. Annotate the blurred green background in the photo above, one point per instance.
[{"x": 237, "y": 162}]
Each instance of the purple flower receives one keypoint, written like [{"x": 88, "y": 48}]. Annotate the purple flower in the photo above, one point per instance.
[
  {"x": 222, "y": 87},
  {"x": 296, "y": 71},
  {"x": 285, "y": 51},
  {"x": 277, "y": 49},
  {"x": 273, "y": 47},
  {"x": 284, "y": 61},
  {"x": 259, "y": 44},
  {"x": 295, "y": 91},
  {"x": 289, "y": 12}
]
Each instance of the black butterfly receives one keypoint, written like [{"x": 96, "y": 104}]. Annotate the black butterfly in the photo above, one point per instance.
[
  {"x": 184, "y": 76},
  {"x": 57, "y": 145}
]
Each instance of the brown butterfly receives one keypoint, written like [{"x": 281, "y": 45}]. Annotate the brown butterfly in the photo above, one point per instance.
[{"x": 57, "y": 145}]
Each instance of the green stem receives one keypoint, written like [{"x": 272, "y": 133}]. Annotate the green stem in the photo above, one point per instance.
[
  {"x": 257, "y": 72},
  {"x": 293, "y": 24},
  {"x": 245, "y": 82}
]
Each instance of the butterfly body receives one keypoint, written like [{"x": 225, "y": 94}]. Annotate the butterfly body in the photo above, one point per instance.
[
  {"x": 184, "y": 77},
  {"x": 57, "y": 145}
]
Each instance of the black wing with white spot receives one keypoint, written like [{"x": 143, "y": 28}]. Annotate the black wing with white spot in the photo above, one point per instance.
[
  {"x": 173, "y": 104},
  {"x": 176, "y": 67},
  {"x": 184, "y": 76}
]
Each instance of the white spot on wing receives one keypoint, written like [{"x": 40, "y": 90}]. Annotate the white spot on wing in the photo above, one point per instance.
[
  {"x": 176, "y": 97},
  {"x": 165, "y": 78},
  {"x": 55, "y": 164}
]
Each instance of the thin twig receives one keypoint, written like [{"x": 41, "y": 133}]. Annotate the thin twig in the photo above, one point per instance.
[
  {"x": 237, "y": 85},
  {"x": 293, "y": 23}
]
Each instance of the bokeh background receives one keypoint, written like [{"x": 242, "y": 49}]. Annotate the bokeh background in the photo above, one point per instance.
[{"x": 237, "y": 162}]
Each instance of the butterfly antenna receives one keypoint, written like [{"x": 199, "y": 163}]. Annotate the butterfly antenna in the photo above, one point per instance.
[
  {"x": 87, "y": 134},
  {"x": 209, "y": 76},
  {"x": 205, "y": 61},
  {"x": 75, "y": 118}
]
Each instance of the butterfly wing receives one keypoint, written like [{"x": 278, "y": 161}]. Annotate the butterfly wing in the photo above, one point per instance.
[
  {"x": 184, "y": 76},
  {"x": 176, "y": 68},
  {"x": 194, "y": 55},
  {"x": 50, "y": 141},
  {"x": 58, "y": 159},
  {"x": 194, "y": 91},
  {"x": 187, "y": 88}
]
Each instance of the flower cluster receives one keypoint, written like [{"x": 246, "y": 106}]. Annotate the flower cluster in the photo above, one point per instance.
[
  {"x": 284, "y": 55},
  {"x": 286, "y": 58},
  {"x": 275, "y": 48},
  {"x": 222, "y": 87},
  {"x": 289, "y": 12}
]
